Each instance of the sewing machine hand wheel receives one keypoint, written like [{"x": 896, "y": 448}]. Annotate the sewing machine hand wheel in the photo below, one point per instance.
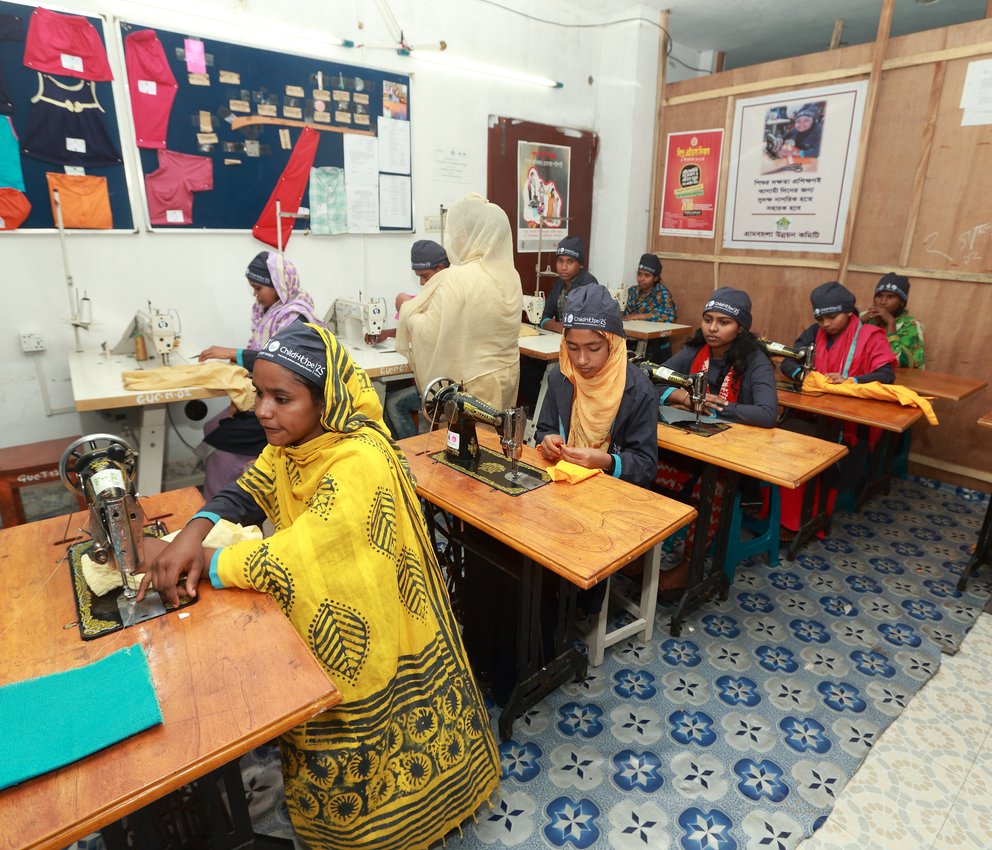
[
  {"x": 435, "y": 395},
  {"x": 92, "y": 446}
]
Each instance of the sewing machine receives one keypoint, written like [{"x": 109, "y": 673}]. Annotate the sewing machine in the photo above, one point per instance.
[
  {"x": 354, "y": 319},
  {"x": 534, "y": 307},
  {"x": 102, "y": 468},
  {"x": 446, "y": 399},
  {"x": 150, "y": 335},
  {"x": 804, "y": 356},
  {"x": 695, "y": 384}
]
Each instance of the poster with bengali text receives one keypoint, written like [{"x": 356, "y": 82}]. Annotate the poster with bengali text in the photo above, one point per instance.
[
  {"x": 692, "y": 178},
  {"x": 792, "y": 160},
  {"x": 542, "y": 192}
]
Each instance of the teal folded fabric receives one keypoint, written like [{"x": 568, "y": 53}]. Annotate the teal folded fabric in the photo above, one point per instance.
[{"x": 55, "y": 720}]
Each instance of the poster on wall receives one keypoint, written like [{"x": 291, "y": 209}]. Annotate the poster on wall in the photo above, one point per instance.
[
  {"x": 542, "y": 195},
  {"x": 692, "y": 177},
  {"x": 792, "y": 162}
]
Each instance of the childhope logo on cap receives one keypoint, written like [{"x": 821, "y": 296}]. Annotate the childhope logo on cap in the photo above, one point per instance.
[
  {"x": 827, "y": 311},
  {"x": 273, "y": 345},
  {"x": 722, "y": 305}
]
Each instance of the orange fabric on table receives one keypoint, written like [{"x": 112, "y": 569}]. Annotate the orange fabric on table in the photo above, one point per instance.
[
  {"x": 816, "y": 382},
  {"x": 565, "y": 470},
  {"x": 84, "y": 199}
]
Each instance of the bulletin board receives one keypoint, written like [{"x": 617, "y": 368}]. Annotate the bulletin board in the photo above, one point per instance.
[
  {"x": 244, "y": 108},
  {"x": 22, "y": 85}
]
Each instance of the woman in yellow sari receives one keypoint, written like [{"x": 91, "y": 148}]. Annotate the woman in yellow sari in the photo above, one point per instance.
[{"x": 409, "y": 753}]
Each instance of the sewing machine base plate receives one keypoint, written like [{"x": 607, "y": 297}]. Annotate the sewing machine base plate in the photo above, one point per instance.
[
  {"x": 494, "y": 469},
  {"x": 790, "y": 387},
  {"x": 703, "y": 429},
  {"x": 111, "y": 612}
]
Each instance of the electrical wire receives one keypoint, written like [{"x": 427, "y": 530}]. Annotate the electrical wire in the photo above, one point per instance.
[
  {"x": 168, "y": 412},
  {"x": 668, "y": 35}
]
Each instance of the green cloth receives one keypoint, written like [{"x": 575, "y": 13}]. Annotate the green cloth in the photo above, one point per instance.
[
  {"x": 55, "y": 720},
  {"x": 328, "y": 204},
  {"x": 906, "y": 342}
]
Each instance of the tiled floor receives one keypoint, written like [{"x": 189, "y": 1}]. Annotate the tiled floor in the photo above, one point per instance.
[{"x": 927, "y": 783}]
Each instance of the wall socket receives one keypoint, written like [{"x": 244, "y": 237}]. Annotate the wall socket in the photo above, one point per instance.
[{"x": 32, "y": 342}]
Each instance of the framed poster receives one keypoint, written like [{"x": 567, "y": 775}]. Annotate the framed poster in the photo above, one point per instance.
[
  {"x": 791, "y": 168},
  {"x": 691, "y": 183},
  {"x": 542, "y": 195}
]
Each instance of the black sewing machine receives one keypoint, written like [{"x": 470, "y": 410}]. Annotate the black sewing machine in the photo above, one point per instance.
[
  {"x": 804, "y": 356},
  {"x": 445, "y": 399},
  {"x": 694, "y": 384}
]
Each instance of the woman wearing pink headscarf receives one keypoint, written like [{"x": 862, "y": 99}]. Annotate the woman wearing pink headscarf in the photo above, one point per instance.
[{"x": 235, "y": 439}]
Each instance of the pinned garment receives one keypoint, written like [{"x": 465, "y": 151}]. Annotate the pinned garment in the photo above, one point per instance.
[
  {"x": 170, "y": 188},
  {"x": 11, "y": 175},
  {"x": 11, "y": 29},
  {"x": 152, "y": 86},
  {"x": 288, "y": 191},
  {"x": 66, "y": 126},
  {"x": 68, "y": 45},
  {"x": 84, "y": 199},
  {"x": 328, "y": 206},
  {"x": 14, "y": 209}
]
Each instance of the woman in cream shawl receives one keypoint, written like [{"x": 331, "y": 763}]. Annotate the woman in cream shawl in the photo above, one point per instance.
[{"x": 465, "y": 322}]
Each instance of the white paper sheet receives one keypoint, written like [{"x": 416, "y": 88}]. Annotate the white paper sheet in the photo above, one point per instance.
[
  {"x": 394, "y": 146},
  {"x": 394, "y": 201},
  {"x": 363, "y": 208},
  {"x": 361, "y": 160}
]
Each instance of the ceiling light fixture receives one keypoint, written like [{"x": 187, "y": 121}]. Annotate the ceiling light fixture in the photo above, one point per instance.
[{"x": 457, "y": 64}]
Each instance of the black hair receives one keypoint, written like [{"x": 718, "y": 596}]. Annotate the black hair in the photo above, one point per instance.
[
  {"x": 737, "y": 354},
  {"x": 316, "y": 392}
]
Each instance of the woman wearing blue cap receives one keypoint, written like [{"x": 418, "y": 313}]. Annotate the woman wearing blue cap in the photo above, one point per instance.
[
  {"x": 409, "y": 753},
  {"x": 570, "y": 263},
  {"x": 650, "y": 301},
  {"x": 888, "y": 311}
]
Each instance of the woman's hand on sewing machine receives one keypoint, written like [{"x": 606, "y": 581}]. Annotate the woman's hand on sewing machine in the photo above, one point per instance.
[
  {"x": 218, "y": 352},
  {"x": 715, "y": 404},
  {"x": 551, "y": 447},
  {"x": 589, "y": 458},
  {"x": 680, "y": 399},
  {"x": 165, "y": 563}
]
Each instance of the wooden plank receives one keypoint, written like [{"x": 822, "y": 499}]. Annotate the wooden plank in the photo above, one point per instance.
[
  {"x": 657, "y": 161},
  {"x": 769, "y": 454},
  {"x": 886, "y": 415},
  {"x": 874, "y": 82},
  {"x": 986, "y": 420},
  {"x": 231, "y": 677},
  {"x": 583, "y": 532},
  {"x": 939, "y": 384}
]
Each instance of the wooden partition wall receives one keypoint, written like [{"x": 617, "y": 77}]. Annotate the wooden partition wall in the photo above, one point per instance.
[{"x": 921, "y": 206}]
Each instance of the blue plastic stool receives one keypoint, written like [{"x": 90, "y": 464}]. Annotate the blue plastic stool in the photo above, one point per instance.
[{"x": 766, "y": 533}]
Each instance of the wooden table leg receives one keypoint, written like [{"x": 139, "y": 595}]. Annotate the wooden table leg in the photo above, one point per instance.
[{"x": 811, "y": 520}]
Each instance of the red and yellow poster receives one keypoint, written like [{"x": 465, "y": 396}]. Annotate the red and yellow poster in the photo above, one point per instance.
[{"x": 692, "y": 177}]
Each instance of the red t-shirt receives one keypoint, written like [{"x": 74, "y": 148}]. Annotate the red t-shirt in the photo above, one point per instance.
[{"x": 170, "y": 188}]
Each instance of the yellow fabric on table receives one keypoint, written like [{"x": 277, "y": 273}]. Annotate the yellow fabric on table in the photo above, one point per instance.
[
  {"x": 232, "y": 379},
  {"x": 817, "y": 382},
  {"x": 528, "y": 330},
  {"x": 565, "y": 470}
]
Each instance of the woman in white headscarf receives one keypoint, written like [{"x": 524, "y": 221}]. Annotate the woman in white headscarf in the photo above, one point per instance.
[{"x": 465, "y": 322}]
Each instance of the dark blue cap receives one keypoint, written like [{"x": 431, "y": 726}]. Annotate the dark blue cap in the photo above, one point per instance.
[
  {"x": 427, "y": 254},
  {"x": 300, "y": 349},
  {"x": 731, "y": 302},
  {"x": 649, "y": 263},
  {"x": 572, "y": 246},
  {"x": 830, "y": 298},
  {"x": 258, "y": 269},
  {"x": 892, "y": 282},
  {"x": 593, "y": 308}
]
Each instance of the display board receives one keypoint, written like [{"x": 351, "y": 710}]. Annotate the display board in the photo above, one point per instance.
[
  {"x": 242, "y": 110},
  {"x": 64, "y": 125}
]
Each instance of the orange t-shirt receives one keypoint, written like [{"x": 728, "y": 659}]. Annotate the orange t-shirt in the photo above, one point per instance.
[
  {"x": 14, "y": 208},
  {"x": 84, "y": 199}
]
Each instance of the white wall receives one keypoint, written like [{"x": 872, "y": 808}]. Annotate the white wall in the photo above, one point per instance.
[{"x": 201, "y": 275}]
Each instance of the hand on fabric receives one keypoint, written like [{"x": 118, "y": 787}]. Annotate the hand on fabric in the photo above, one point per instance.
[
  {"x": 714, "y": 404},
  {"x": 165, "y": 563},
  {"x": 372, "y": 339},
  {"x": 836, "y": 378},
  {"x": 638, "y": 317},
  {"x": 589, "y": 458},
  {"x": 680, "y": 399},
  {"x": 551, "y": 447},
  {"x": 218, "y": 352}
]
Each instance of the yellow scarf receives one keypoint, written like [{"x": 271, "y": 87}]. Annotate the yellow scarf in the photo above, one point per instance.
[
  {"x": 409, "y": 753},
  {"x": 596, "y": 399}
]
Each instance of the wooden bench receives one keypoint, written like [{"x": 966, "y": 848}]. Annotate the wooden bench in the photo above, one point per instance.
[{"x": 22, "y": 466}]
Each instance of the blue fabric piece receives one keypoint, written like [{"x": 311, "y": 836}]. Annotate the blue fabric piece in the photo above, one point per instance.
[
  {"x": 617, "y": 466},
  {"x": 77, "y": 702},
  {"x": 214, "y": 574},
  {"x": 10, "y": 157},
  {"x": 239, "y": 359}
]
